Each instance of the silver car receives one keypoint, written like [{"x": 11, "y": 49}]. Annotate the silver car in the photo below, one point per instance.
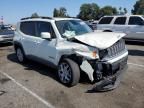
[{"x": 6, "y": 34}]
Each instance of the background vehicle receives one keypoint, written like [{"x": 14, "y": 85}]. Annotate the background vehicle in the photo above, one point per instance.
[
  {"x": 92, "y": 24},
  {"x": 71, "y": 46},
  {"x": 132, "y": 25},
  {"x": 6, "y": 34}
]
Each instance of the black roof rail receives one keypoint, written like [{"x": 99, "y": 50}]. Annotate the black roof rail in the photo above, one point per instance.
[
  {"x": 26, "y": 18},
  {"x": 42, "y": 17}
]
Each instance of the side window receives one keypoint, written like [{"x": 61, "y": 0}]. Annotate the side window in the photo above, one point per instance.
[
  {"x": 120, "y": 20},
  {"x": 135, "y": 20},
  {"x": 45, "y": 27},
  {"x": 28, "y": 28},
  {"x": 106, "y": 20}
]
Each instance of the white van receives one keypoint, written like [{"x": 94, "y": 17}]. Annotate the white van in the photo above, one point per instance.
[{"x": 132, "y": 25}]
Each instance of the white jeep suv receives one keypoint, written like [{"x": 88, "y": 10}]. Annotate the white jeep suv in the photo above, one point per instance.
[
  {"x": 71, "y": 47},
  {"x": 132, "y": 25}
]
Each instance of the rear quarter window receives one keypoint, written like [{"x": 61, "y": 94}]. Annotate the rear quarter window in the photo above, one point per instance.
[
  {"x": 106, "y": 20},
  {"x": 134, "y": 20}
]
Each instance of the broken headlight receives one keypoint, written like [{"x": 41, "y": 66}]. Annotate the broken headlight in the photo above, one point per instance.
[{"x": 89, "y": 54}]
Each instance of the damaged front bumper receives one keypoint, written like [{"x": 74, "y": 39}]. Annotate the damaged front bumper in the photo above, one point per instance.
[
  {"x": 106, "y": 75},
  {"x": 110, "y": 82}
]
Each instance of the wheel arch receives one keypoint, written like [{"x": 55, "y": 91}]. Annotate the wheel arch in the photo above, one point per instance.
[
  {"x": 18, "y": 44},
  {"x": 73, "y": 57}
]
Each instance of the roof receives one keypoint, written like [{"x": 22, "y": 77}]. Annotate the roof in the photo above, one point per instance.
[
  {"x": 47, "y": 18},
  {"x": 121, "y": 15},
  {"x": 58, "y": 18}
]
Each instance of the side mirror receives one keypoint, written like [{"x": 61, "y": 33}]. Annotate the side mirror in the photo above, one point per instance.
[{"x": 46, "y": 35}]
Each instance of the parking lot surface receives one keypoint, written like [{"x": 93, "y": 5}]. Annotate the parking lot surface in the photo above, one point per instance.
[{"x": 33, "y": 85}]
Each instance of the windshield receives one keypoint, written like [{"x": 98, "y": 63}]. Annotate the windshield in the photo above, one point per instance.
[{"x": 71, "y": 28}]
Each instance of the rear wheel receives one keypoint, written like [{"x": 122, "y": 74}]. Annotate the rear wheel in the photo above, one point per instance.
[
  {"x": 68, "y": 72},
  {"x": 20, "y": 55}
]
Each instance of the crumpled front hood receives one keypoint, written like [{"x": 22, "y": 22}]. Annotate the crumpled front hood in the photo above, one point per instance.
[{"x": 101, "y": 40}]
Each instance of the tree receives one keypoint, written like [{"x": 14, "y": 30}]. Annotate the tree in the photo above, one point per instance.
[
  {"x": 115, "y": 11},
  {"x": 88, "y": 11},
  {"x": 34, "y": 15},
  {"x": 61, "y": 12},
  {"x": 125, "y": 11},
  {"x": 108, "y": 10},
  {"x": 138, "y": 7},
  {"x": 122, "y": 11},
  {"x": 55, "y": 13}
]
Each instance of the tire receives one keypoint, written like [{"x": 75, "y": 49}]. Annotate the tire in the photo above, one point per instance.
[
  {"x": 68, "y": 72},
  {"x": 20, "y": 55}
]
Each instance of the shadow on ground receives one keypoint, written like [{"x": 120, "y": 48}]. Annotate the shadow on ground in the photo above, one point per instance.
[
  {"x": 31, "y": 65},
  {"x": 135, "y": 43},
  {"x": 136, "y": 52},
  {"x": 5, "y": 44},
  {"x": 43, "y": 69}
]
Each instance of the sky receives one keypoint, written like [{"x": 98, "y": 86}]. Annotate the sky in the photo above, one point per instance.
[{"x": 13, "y": 10}]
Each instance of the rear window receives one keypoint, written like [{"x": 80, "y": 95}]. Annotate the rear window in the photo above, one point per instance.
[
  {"x": 120, "y": 21},
  {"x": 134, "y": 20},
  {"x": 28, "y": 28},
  {"x": 106, "y": 20}
]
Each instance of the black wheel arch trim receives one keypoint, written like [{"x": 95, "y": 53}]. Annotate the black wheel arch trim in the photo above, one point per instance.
[{"x": 18, "y": 44}]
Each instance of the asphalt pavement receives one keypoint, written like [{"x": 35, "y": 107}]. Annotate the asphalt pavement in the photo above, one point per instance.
[{"x": 34, "y": 85}]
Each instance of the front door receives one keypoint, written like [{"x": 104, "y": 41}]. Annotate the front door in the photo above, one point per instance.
[{"x": 46, "y": 49}]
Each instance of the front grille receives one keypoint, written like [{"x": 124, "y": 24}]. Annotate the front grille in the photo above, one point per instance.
[{"x": 116, "y": 49}]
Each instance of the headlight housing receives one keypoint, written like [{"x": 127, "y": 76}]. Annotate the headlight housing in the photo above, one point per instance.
[{"x": 89, "y": 54}]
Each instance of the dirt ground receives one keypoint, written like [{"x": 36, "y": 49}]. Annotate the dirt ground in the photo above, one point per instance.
[{"x": 36, "y": 86}]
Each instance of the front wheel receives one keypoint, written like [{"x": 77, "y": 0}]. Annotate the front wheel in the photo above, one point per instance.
[{"x": 68, "y": 72}]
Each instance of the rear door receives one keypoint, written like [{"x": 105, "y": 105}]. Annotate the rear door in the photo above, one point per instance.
[
  {"x": 135, "y": 28},
  {"x": 28, "y": 30},
  {"x": 120, "y": 25}
]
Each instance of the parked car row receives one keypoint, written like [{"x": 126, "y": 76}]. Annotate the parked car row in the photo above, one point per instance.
[
  {"x": 132, "y": 25},
  {"x": 92, "y": 24},
  {"x": 6, "y": 34}
]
